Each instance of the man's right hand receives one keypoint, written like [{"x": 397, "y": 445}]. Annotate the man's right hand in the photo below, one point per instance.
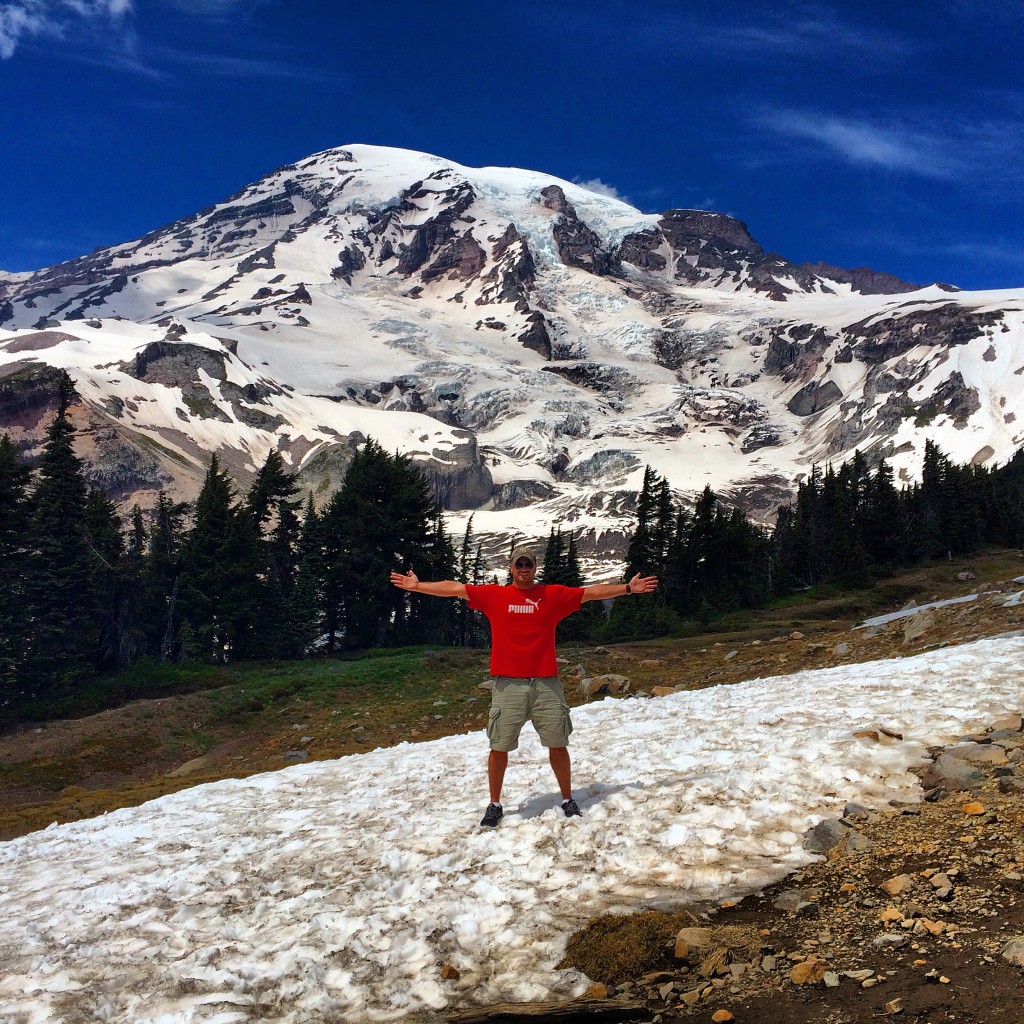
[{"x": 405, "y": 580}]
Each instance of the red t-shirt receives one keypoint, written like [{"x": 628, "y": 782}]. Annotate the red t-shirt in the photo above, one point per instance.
[{"x": 523, "y": 625}]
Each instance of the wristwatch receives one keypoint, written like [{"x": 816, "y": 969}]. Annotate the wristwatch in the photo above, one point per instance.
[{"x": 629, "y": 589}]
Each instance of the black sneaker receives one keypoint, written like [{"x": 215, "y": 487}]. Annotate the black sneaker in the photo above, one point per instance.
[
  {"x": 493, "y": 815},
  {"x": 571, "y": 809}
]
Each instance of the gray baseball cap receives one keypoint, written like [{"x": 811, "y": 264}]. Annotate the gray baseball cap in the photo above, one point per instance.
[{"x": 523, "y": 551}]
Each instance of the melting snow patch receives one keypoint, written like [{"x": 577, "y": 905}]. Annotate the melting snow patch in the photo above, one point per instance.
[
  {"x": 880, "y": 620},
  {"x": 337, "y": 890}
]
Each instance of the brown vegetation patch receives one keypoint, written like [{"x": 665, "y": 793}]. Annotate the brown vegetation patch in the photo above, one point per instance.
[{"x": 616, "y": 947}]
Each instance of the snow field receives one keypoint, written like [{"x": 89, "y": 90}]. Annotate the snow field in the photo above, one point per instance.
[{"x": 339, "y": 888}]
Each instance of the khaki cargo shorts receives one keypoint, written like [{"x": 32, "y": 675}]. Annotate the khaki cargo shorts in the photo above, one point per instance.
[{"x": 518, "y": 701}]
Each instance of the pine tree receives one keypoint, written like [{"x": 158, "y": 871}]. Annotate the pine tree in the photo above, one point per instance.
[
  {"x": 62, "y": 590},
  {"x": 471, "y": 626},
  {"x": 129, "y": 639},
  {"x": 107, "y": 543},
  {"x": 270, "y": 506},
  {"x": 883, "y": 522},
  {"x": 308, "y": 601},
  {"x": 219, "y": 564},
  {"x": 380, "y": 519},
  {"x": 161, "y": 569},
  {"x": 553, "y": 569},
  {"x": 645, "y": 549},
  {"x": 14, "y": 568}
]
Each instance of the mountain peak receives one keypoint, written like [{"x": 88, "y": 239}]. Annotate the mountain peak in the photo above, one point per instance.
[{"x": 369, "y": 291}]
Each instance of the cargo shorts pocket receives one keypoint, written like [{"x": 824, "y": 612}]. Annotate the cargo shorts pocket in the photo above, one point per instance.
[
  {"x": 554, "y": 725},
  {"x": 493, "y": 721}
]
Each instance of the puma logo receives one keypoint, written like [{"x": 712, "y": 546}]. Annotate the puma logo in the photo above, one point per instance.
[{"x": 525, "y": 609}]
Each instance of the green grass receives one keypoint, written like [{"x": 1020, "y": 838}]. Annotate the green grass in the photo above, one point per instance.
[{"x": 243, "y": 691}]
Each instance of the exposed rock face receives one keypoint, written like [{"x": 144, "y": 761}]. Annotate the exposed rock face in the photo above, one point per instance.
[
  {"x": 27, "y": 391},
  {"x": 690, "y": 231},
  {"x": 607, "y": 380},
  {"x": 513, "y": 272},
  {"x": 813, "y": 397},
  {"x": 955, "y": 399},
  {"x": 863, "y": 279},
  {"x": 350, "y": 259},
  {"x": 462, "y": 259},
  {"x": 877, "y": 340},
  {"x": 535, "y": 335},
  {"x": 435, "y": 233},
  {"x": 121, "y": 468},
  {"x": 175, "y": 364},
  {"x": 578, "y": 245},
  {"x": 641, "y": 250},
  {"x": 458, "y": 480},
  {"x": 519, "y": 493}
]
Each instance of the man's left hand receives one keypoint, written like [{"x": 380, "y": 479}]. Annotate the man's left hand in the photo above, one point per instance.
[{"x": 643, "y": 584}]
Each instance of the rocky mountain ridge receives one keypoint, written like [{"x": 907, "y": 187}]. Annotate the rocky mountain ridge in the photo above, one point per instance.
[{"x": 531, "y": 343}]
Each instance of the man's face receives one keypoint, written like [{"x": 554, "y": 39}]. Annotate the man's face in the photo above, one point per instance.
[{"x": 523, "y": 572}]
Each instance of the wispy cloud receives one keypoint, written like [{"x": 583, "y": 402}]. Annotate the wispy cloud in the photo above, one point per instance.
[
  {"x": 810, "y": 33},
  {"x": 228, "y": 66},
  {"x": 813, "y": 35},
  {"x": 939, "y": 146},
  {"x": 895, "y": 148},
  {"x": 53, "y": 19}
]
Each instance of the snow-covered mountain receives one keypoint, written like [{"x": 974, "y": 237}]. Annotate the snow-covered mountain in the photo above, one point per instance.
[{"x": 532, "y": 343}]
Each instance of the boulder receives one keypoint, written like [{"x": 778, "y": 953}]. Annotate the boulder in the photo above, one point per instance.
[
  {"x": 1014, "y": 951},
  {"x": 978, "y": 753},
  {"x": 826, "y": 835},
  {"x": 809, "y": 972},
  {"x": 917, "y": 625},
  {"x": 899, "y": 885},
  {"x": 693, "y": 938},
  {"x": 952, "y": 774}
]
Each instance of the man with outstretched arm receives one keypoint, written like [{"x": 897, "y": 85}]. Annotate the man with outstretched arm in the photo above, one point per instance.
[{"x": 523, "y": 617}]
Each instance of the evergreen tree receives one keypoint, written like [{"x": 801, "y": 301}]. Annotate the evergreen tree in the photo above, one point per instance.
[
  {"x": 553, "y": 568},
  {"x": 583, "y": 625},
  {"x": 381, "y": 518},
  {"x": 427, "y": 620},
  {"x": 14, "y": 568},
  {"x": 62, "y": 589},
  {"x": 219, "y": 564},
  {"x": 645, "y": 551},
  {"x": 308, "y": 595},
  {"x": 270, "y": 506},
  {"x": 471, "y": 625},
  {"x": 129, "y": 626},
  {"x": 883, "y": 521},
  {"x": 107, "y": 543},
  {"x": 161, "y": 568}
]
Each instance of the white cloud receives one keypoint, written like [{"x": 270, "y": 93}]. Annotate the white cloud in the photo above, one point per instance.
[
  {"x": 941, "y": 145},
  {"x": 601, "y": 188},
  {"x": 893, "y": 147},
  {"x": 50, "y": 18}
]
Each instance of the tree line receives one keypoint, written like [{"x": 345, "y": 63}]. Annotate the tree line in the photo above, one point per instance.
[
  {"x": 260, "y": 575},
  {"x": 846, "y": 526},
  {"x": 268, "y": 575}
]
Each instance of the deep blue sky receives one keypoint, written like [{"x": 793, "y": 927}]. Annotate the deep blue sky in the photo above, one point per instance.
[{"x": 872, "y": 133}]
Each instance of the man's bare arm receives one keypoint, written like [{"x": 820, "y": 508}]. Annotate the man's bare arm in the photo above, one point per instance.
[
  {"x": 445, "y": 588},
  {"x": 637, "y": 585}
]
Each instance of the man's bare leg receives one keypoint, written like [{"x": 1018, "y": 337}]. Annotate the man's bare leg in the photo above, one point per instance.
[
  {"x": 497, "y": 762},
  {"x": 562, "y": 767}
]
